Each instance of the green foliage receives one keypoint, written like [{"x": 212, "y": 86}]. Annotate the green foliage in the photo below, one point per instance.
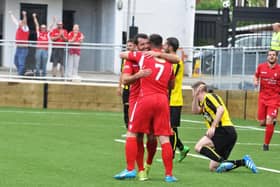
[{"x": 209, "y": 5}]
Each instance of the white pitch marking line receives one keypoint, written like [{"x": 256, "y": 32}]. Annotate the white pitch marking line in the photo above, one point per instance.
[
  {"x": 238, "y": 126},
  {"x": 253, "y": 144},
  {"x": 202, "y": 157}
]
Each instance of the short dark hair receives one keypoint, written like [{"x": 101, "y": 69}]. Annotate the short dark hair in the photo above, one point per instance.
[
  {"x": 173, "y": 42},
  {"x": 130, "y": 41},
  {"x": 277, "y": 52},
  {"x": 155, "y": 40},
  {"x": 140, "y": 35}
]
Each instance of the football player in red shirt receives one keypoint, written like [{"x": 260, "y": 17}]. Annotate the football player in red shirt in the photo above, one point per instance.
[
  {"x": 150, "y": 113},
  {"x": 123, "y": 89},
  {"x": 130, "y": 69},
  {"x": 267, "y": 77}
]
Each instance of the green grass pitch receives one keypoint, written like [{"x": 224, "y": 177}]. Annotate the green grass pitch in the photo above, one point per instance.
[{"x": 66, "y": 148}]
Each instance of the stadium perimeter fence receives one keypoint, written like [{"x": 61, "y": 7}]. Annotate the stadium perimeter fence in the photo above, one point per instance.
[{"x": 229, "y": 68}]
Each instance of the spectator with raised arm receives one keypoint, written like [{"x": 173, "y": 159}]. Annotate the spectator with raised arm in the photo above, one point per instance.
[
  {"x": 22, "y": 36},
  {"x": 41, "y": 55}
]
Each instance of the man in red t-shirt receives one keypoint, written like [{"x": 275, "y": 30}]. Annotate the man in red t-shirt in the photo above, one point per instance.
[
  {"x": 58, "y": 35},
  {"x": 153, "y": 98},
  {"x": 22, "y": 34},
  {"x": 267, "y": 76},
  {"x": 75, "y": 38}
]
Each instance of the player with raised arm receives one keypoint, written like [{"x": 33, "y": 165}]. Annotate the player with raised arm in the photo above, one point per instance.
[{"x": 221, "y": 136}]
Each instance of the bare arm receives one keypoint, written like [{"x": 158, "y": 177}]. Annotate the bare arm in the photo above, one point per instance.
[
  {"x": 173, "y": 58},
  {"x": 256, "y": 81},
  {"x": 129, "y": 79},
  {"x": 171, "y": 84},
  {"x": 196, "y": 109},
  {"x": 24, "y": 20},
  {"x": 51, "y": 26},
  {"x": 14, "y": 19},
  {"x": 219, "y": 113},
  {"x": 37, "y": 26},
  {"x": 119, "y": 89},
  {"x": 124, "y": 55}
]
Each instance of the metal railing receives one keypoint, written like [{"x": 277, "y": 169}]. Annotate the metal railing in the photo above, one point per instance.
[
  {"x": 223, "y": 68},
  {"x": 94, "y": 58}
]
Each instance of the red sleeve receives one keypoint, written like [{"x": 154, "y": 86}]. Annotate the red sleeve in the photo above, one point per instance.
[
  {"x": 135, "y": 56},
  {"x": 127, "y": 67},
  {"x": 257, "y": 73},
  {"x": 70, "y": 35},
  {"x": 65, "y": 34},
  {"x": 52, "y": 33}
]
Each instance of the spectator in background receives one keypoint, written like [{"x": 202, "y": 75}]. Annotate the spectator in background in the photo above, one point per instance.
[
  {"x": 22, "y": 34},
  {"x": 275, "y": 41},
  {"x": 41, "y": 55},
  {"x": 75, "y": 38},
  {"x": 58, "y": 35}
]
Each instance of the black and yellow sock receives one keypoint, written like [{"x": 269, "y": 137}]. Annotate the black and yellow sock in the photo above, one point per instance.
[
  {"x": 237, "y": 163},
  {"x": 173, "y": 142},
  {"x": 210, "y": 153}
]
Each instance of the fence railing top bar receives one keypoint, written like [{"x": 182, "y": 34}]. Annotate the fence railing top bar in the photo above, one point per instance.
[{"x": 64, "y": 43}]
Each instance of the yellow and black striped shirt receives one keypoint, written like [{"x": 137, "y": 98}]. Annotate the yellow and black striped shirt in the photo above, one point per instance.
[
  {"x": 176, "y": 95},
  {"x": 209, "y": 104}
]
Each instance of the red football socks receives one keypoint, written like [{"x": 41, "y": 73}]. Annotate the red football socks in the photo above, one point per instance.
[
  {"x": 268, "y": 133},
  {"x": 130, "y": 152},
  {"x": 167, "y": 157}
]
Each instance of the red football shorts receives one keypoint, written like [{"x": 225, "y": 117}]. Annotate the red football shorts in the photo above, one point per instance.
[
  {"x": 266, "y": 110},
  {"x": 150, "y": 114}
]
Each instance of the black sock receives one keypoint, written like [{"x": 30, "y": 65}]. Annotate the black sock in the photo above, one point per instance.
[
  {"x": 210, "y": 153},
  {"x": 125, "y": 113},
  {"x": 237, "y": 163},
  {"x": 179, "y": 144},
  {"x": 173, "y": 143}
]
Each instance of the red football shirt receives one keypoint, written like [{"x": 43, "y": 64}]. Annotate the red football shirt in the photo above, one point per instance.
[
  {"x": 78, "y": 39},
  {"x": 134, "y": 88},
  {"x": 269, "y": 82},
  {"x": 55, "y": 32},
  {"x": 158, "y": 81},
  {"x": 42, "y": 39},
  {"x": 22, "y": 34}
]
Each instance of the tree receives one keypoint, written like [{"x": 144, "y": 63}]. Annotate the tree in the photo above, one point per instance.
[{"x": 209, "y": 5}]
